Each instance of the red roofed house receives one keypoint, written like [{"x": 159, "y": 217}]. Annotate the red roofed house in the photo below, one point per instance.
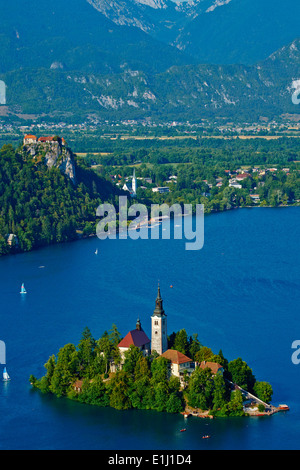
[
  {"x": 45, "y": 139},
  {"x": 242, "y": 176},
  {"x": 136, "y": 338},
  {"x": 213, "y": 366},
  {"x": 78, "y": 385},
  {"x": 29, "y": 139},
  {"x": 179, "y": 363}
]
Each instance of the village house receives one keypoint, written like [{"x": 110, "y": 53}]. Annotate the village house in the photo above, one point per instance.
[
  {"x": 234, "y": 184},
  {"x": 29, "y": 139},
  {"x": 255, "y": 197},
  {"x": 242, "y": 176},
  {"x": 12, "y": 239},
  {"x": 77, "y": 386},
  {"x": 179, "y": 363},
  {"x": 161, "y": 190},
  {"x": 213, "y": 366}
]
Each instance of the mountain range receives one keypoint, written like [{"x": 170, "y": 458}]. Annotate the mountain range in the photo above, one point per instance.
[
  {"x": 212, "y": 31},
  {"x": 133, "y": 59}
]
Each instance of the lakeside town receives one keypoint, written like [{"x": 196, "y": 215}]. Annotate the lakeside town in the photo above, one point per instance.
[
  {"x": 232, "y": 179},
  {"x": 211, "y": 176}
]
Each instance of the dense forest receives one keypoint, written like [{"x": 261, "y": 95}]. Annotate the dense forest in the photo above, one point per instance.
[
  {"x": 144, "y": 382},
  {"x": 41, "y": 206}
]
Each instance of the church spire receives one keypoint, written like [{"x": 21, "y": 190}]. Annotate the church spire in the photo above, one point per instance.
[
  {"x": 138, "y": 325},
  {"x": 159, "y": 339},
  {"x": 133, "y": 184},
  {"x": 159, "y": 311}
]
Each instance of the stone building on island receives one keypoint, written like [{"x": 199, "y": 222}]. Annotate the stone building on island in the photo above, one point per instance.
[
  {"x": 179, "y": 364},
  {"x": 136, "y": 338}
]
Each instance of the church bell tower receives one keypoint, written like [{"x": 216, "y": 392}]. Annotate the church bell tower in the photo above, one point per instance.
[{"x": 159, "y": 340}]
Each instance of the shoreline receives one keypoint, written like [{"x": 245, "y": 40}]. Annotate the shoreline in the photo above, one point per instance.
[{"x": 158, "y": 219}]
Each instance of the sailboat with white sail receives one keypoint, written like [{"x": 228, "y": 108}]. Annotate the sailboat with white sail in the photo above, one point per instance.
[
  {"x": 6, "y": 377},
  {"x": 23, "y": 290}
]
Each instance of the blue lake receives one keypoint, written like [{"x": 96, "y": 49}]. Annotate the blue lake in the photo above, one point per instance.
[{"x": 240, "y": 293}]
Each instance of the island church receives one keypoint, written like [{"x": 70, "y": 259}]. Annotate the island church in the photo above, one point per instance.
[
  {"x": 138, "y": 338},
  {"x": 179, "y": 363}
]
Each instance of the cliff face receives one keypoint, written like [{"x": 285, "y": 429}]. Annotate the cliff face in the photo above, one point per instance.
[{"x": 56, "y": 155}]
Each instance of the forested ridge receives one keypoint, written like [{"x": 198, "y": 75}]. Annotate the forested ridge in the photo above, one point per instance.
[{"x": 42, "y": 206}]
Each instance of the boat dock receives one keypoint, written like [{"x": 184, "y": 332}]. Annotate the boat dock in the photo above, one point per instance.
[{"x": 251, "y": 406}]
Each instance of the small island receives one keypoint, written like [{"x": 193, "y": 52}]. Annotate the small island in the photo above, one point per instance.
[{"x": 174, "y": 374}]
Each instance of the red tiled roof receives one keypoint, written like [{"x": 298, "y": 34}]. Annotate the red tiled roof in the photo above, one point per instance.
[
  {"x": 134, "y": 337},
  {"x": 213, "y": 366},
  {"x": 29, "y": 136},
  {"x": 242, "y": 176},
  {"x": 45, "y": 139},
  {"x": 78, "y": 384},
  {"x": 175, "y": 356}
]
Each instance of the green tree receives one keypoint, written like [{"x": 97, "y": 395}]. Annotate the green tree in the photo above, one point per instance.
[
  {"x": 194, "y": 346},
  {"x": 160, "y": 369},
  {"x": 175, "y": 403},
  {"x": 119, "y": 391},
  {"x": 204, "y": 354},
  {"x": 241, "y": 374},
  {"x": 235, "y": 405},
  {"x": 65, "y": 370},
  {"x": 86, "y": 353},
  {"x": 181, "y": 342},
  {"x": 263, "y": 391},
  {"x": 94, "y": 392},
  {"x": 132, "y": 356},
  {"x": 200, "y": 389},
  {"x": 220, "y": 392}
]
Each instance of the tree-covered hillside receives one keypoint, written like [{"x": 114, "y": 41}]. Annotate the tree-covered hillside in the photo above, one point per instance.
[{"x": 42, "y": 206}]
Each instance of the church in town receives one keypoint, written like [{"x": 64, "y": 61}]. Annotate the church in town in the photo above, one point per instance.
[{"x": 131, "y": 187}]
